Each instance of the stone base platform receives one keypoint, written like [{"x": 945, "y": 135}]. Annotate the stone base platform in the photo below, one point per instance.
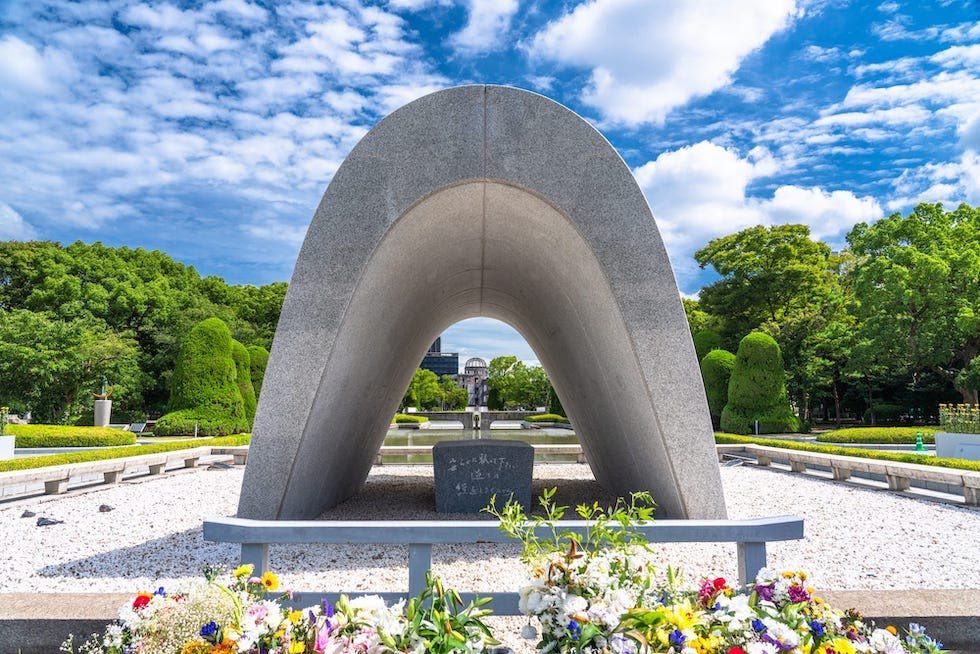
[{"x": 37, "y": 623}]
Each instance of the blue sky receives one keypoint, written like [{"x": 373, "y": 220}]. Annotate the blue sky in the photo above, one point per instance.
[{"x": 209, "y": 130}]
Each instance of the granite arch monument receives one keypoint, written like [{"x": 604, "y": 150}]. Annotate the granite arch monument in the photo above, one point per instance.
[{"x": 482, "y": 201}]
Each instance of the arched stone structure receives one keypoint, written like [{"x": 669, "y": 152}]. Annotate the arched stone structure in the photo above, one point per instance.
[{"x": 482, "y": 201}]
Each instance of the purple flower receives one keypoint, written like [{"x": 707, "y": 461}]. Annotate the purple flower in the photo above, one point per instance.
[
  {"x": 764, "y": 592},
  {"x": 160, "y": 591},
  {"x": 797, "y": 594},
  {"x": 677, "y": 638},
  {"x": 817, "y": 629},
  {"x": 758, "y": 625},
  {"x": 327, "y": 608},
  {"x": 574, "y": 629}
]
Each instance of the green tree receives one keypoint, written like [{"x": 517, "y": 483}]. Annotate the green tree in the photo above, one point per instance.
[
  {"x": 969, "y": 377},
  {"x": 258, "y": 359},
  {"x": 917, "y": 282},
  {"x": 716, "y": 370},
  {"x": 512, "y": 383},
  {"x": 451, "y": 395},
  {"x": 697, "y": 318},
  {"x": 705, "y": 341},
  {"x": 204, "y": 391},
  {"x": 765, "y": 272},
  {"x": 423, "y": 391},
  {"x": 757, "y": 390},
  {"x": 51, "y": 366},
  {"x": 243, "y": 378}
]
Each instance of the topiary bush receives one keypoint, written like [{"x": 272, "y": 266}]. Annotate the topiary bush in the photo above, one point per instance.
[
  {"x": 68, "y": 436},
  {"x": 258, "y": 359},
  {"x": 243, "y": 377},
  {"x": 757, "y": 390},
  {"x": 716, "y": 370},
  {"x": 706, "y": 341},
  {"x": 203, "y": 389}
]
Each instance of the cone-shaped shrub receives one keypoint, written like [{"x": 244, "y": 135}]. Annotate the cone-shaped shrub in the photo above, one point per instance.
[
  {"x": 716, "y": 370},
  {"x": 203, "y": 390},
  {"x": 258, "y": 359},
  {"x": 757, "y": 390},
  {"x": 705, "y": 341},
  {"x": 243, "y": 377}
]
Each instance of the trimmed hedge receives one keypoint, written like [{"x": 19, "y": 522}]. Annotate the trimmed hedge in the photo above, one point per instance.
[
  {"x": 901, "y": 457},
  {"x": 204, "y": 391},
  {"x": 243, "y": 377},
  {"x": 757, "y": 390},
  {"x": 258, "y": 360},
  {"x": 29, "y": 462},
  {"x": 716, "y": 371},
  {"x": 407, "y": 418},
  {"x": 547, "y": 417},
  {"x": 68, "y": 436},
  {"x": 879, "y": 435}
]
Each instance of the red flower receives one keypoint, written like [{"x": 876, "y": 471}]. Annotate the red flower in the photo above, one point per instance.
[
  {"x": 141, "y": 600},
  {"x": 735, "y": 650},
  {"x": 720, "y": 584}
]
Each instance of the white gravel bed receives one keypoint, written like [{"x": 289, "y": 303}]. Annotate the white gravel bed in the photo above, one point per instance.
[{"x": 856, "y": 538}]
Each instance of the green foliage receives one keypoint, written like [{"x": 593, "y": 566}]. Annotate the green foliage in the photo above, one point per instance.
[
  {"x": 243, "y": 378},
  {"x": 606, "y": 528},
  {"x": 451, "y": 395},
  {"x": 916, "y": 280},
  {"x": 969, "y": 377},
  {"x": 143, "y": 299},
  {"x": 547, "y": 417},
  {"x": 204, "y": 390},
  {"x": 423, "y": 391},
  {"x": 408, "y": 418},
  {"x": 883, "y": 412},
  {"x": 35, "y": 435},
  {"x": 258, "y": 359},
  {"x": 902, "y": 457},
  {"x": 52, "y": 365},
  {"x": 882, "y": 435},
  {"x": 716, "y": 370},
  {"x": 554, "y": 402},
  {"x": 705, "y": 341},
  {"x": 960, "y": 418},
  {"x": 756, "y": 390},
  {"x": 29, "y": 462},
  {"x": 513, "y": 384},
  {"x": 697, "y": 318},
  {"x": 439, "y": 622}
]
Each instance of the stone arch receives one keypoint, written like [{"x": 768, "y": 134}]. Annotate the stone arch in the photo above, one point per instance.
[{"x": 482, "y": 201}]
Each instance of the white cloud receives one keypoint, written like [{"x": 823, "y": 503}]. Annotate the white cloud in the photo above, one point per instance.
[
  {"x": 13, "y": 227},
  {"x": 699, "y": 192},
  {"x": 416, "y": 5},
  {"x": 487, "y": 23},
  {"x": 25, "y": 69},
  {"x": 647, "y": 58},
  {"x": 274, "y": 230}
]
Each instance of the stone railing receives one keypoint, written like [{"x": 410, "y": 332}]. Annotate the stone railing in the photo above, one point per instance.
[
  {"x": 255, "y": 536},
  {"x": 897, "y": 474}
]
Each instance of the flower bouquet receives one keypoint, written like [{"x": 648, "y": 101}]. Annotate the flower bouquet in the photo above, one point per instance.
[
  {"x": 239, "y": 617},
  {"x": 595, "y": 595}
]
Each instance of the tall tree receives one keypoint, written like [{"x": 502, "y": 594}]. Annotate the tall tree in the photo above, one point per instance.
[{"x": 917, "y": 282}]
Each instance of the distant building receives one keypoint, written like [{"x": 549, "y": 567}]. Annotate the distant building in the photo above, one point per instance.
[
  {"x": 439, "y": 362},
  {"x": 474, "y": 380}
]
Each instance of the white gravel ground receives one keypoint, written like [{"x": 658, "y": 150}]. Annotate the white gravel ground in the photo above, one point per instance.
[{"x": 856, "y": 538}]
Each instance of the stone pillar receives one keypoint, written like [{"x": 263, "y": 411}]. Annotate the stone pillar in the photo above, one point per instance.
[{"x": 103, "y": 409}]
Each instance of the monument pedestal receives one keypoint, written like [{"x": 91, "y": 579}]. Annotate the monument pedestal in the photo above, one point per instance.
[
  {"x": 468, "y": 473},
  {"x": 7, "y": 447},
  {"x": 103, "y": 410}
]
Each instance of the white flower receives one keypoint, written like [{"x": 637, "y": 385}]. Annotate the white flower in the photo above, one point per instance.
[
  {"x": 885, "y": 642},
  {"x": 761, "y": 648},
  {"x": 782, "y": 632},
  {"x": 574, "y": 604}
]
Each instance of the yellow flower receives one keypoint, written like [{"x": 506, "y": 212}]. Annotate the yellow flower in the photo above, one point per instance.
[
  {"x": 270, "y": 580},
  {"x": 196, "y": 646},
  {"x": 892, "y": 630},
  {"x": 244, "y": 570},
  {"x": 295, "y": 616},
  {"x": 839, "y": 645},
  {"x": 297, "y": 648}
]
